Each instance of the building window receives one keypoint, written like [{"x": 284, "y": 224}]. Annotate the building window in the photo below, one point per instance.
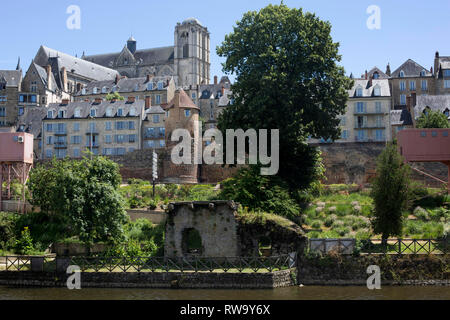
[
  {"x": 186, "y": 51},
  {"x": 377, "y": 91},
  {"x": 447, "y": 112},
  {"x": 76, "y": 127},
  {"x": 376, "y": 75},
  {"x": 402, "y": 85},
  {"x": 131, "y": 125},
  {"x": 77, "y": 113},
  {"x": 359, "y": 92},
  {"x": 50, "y": 114},
  {"x": 423, "y": 73},
  {"x": 378, "y": 107},
  {"x": 447, "y": 73},
  {"x": 61, "y": 114},
  {"x": 424, "y": 85},
  {"x": 108, "y": 139},
  {"x": 76, "y": 153},
  {"x": 362, "y": 135},
  {"x": 109, "y": 112},
  {"x": 120, "y": 112},
  {"x": 132, "y": 112},
  {"x": 94, "y": 90},
  {"x": 158, "y": 99},
  {"x": 108, "y": 126},
  {"x": 155, "y": 118},
  {"x": 402, "y": 74},
  {"x": 2, "y": 112},
  {"x": 160, "y": 85},
  {"x": 403, "y": 99},
  {"x": 379, "y": 135},
  {"x": 187, "y": 113},
  {"x": 48, "y": 153},
  {"x": 344, "y": 135},
  {"x": 360, "y": 107},
  {"x": 119, "y": 138},
  {"x": 412, "y": 85},
  {"x": 104, "y": 90},
  {"x": 132, "y": 138},
  {"x": 447, "y": 84},
  {"x": 343, "y": 121},
  {"x": 93, "y": 112},
  {"x": 3, "y": 98},
  {"x": 150, "y": 86}
]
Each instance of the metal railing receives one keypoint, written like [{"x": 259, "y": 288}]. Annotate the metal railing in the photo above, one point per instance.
[{"x": 156, "y": 264}]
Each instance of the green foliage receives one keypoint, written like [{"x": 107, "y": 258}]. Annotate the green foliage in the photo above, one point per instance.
[
  {"x": 24, "y": 244},
  {"x": 115, "y": 95},
  {"x": 84, "y": 193},
  {"x": 433, "y": 120},
  {"x": 265, "y": 193},
  {"x": 7, "y": 225},
  {"x": 390, "y": 193},
  {"x": 287, "y": 77}
]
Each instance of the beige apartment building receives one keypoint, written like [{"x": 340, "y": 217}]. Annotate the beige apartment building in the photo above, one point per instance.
[{"x": 105, "y": 128}]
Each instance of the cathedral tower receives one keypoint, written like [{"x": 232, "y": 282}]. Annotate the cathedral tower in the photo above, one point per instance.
[{"x": 192, "y": 53}]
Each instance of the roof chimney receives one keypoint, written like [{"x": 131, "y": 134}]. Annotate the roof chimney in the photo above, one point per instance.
[
  {"x": 148, "y": 78},
  {"x": 366, "y": 75},
  {"x": 131, "y": 99},
  {"x": 437, "y": 54},
  {"x": 388, "y": 70},
  {"x": 223, "y": 90},
  {"x": 64, "y": 78},
  {"x": 48, "y": 69},
  {"x": 215, "y": 79},
  {"x": 98, "y": 100},
  {"x": 148, "y": 102},
  {"x": 117, "y": 79},
  {"x": 65, "y": 101}
]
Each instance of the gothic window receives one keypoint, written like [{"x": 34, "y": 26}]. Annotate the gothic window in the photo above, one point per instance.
[{"x": 186, "y": 51}]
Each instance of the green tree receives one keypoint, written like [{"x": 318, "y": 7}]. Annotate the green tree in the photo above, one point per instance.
[
  {"x": 115, "y": 95},
  {"x": 433, "y": 120},
  {"x": 287, "y": 78},
  {"x": 390, "y": 193},
  {"x": 85, "y": 193}
]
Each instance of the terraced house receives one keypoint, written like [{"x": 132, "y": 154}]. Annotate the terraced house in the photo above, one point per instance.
[
  {"x": 104, "y": 127},
  {"x": 10, "y": 86}
]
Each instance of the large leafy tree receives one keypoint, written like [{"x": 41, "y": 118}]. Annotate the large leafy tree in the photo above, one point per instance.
[
  {"x": 84, "y": 194},
  {"x": 287, "y": 78},
  {"x": 390, "y": 193},
  {"x": 433, "y": 120}
]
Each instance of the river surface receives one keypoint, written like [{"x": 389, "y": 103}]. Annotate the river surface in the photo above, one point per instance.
[{"x": 293, "y": 293}]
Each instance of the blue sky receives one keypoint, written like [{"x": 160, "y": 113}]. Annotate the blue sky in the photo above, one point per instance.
[{"x": 409, "y": 29}]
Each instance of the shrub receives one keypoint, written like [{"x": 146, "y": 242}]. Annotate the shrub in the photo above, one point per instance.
[
  {"x": 329, "y": 221},
  {"x": 316, "y": 224},
  {"x": 24, "y": 244},
  {"x": 7, "y": 225}
]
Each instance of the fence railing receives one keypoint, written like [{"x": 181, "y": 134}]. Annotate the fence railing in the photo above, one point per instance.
[
  {"x": 375, "y": 246},
  {"x": 153, "y": 264}
]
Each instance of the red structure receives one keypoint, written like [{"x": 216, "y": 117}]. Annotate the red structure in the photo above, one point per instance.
[
  {"x": 16, "y": 161},
  {"x": 426, "y": 145}
]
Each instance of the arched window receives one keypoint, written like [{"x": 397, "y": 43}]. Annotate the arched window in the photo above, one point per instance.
[
  {"x": 77, "y": 113},
  {"x": 93, "y": 112},
  {"x": 376, "y": 75},
  {"x": 133, "y": 112},
  {"x": 110, "y": 112},
  {"x": 359, "y": 91},
  {"x": 94, "y": 90},
  {"x": 160, "y": 85},
  {"x": 402, "y": 74},
  {"x": 422, "y": 73},
  {"x": 150, "y": 86},
  {"x": 377, "y": 91},
  {"x": 50, "y": 114},
  {"x": 186, "y": 51},
  {"x": 447, "y": 112},
  {"x": 104, "y": 89}
]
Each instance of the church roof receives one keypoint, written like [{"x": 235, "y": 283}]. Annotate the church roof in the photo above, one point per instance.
[
  {"x": 72, "y": 64},
  {"x": 152, "y": 56},
  {"x": 43, "y": 76}
]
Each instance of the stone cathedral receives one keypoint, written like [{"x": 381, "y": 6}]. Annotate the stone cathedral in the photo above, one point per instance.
[{"x": 188, "y": 60}]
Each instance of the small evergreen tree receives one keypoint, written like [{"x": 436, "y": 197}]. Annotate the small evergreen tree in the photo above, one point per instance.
[{"x": 390, "y": 193}]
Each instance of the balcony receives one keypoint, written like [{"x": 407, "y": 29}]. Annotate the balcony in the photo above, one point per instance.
[
  {"x": 93, "y": 132},
  {"x": 93, "y": 145},
  {"x": 368, "y": 127},
  {"x": 60, "y": 133},
  {"x": 60, "y": 145}
]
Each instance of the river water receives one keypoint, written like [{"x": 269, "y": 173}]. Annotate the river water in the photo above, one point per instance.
[{"x": 293, "y": 293}]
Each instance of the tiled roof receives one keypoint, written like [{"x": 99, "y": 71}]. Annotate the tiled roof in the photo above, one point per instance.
[
  {"x": 380, "y": 73},
  {"x": 125, "y": 85},
  {"x": 101, "y": 108},
  {"x": 12, "y": 77},
  {"x": 184, "y": 101},
  {"x": 436, "y": 103},
  {"x": 153, "y": 56},
  {"x": 401, "y": 118},
  {"x": 368, "y": 91},
  {"x": 72, "y": 64},
  {"x": 411, "y": 69}
]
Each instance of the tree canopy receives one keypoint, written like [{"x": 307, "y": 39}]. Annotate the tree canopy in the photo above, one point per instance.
[
  {"x": 84, "y": 193},
  {"x": 287, "y": 78},
  {"x": 433, "y": 120}
]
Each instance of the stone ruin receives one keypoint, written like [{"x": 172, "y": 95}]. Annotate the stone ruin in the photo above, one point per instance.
[{"x": 215, "y": 230}]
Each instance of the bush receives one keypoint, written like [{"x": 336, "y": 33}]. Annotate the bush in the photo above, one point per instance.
[
  {"x": 316, "y": 224},
  {"x": 24, "y": 244},
  {"x": 265, "y": 193},
  {"x": 329, "y": 221},
  {"x": 7, "y": 226}
]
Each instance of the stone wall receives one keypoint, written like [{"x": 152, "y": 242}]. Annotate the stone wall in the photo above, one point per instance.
[
  {"x": 350, "y": 270},
  {"x": 154, "y": 280},
  {"x": 215, "y": 222},
  {"x": 348, "y": 163}
]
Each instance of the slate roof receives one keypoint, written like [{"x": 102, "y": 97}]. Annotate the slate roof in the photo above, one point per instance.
[
  {"x": 155, "y": 110},
  {"x": 436, "y": 103},
  {"x": 368, "y": 91},
  {"x": 125, "y": 85},
  {"x": 411, "y": 69},
  {"x": 72, "y": 64},
  {"x": 32, "y": 120},
  {"x": 85, "y": 108},
  {"x": 381, "y": 73},
  {"x": 214, "y": 90},
  {"x": 401, "y": 118},
  {"x": 154, "y": 56},
  {"x": 43, "y": 75},
  {"x": 444, "y": 62},
  {"x": 12, "y": 77}
]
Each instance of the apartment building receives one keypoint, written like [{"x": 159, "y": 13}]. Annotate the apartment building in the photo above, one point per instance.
[{"x": 107, "y": 128}]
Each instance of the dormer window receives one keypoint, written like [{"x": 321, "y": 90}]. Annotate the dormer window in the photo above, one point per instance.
[
  {"x": 83, "y": 91},
  {"x": 133, "y": 112},
  {"x": 447, "y": 112},
  {"x": 94, "y": 91},
  {"x": 150, "y": 86},
  {"x": 104, "y": 90},
  {"x": 160, "y": 85},
  {"x": 426, "y": 111},
  {"x": 423, "y": 73},
  {"x": 50, "y": 114},
  {"x": 114, "y": 89},
  {"x": 377, "y": 91},
  {"x": 376, "y": 75},
  {"x": 359, "y": 92},
  {"x": 402, "y": 74},
  {"x": 120, "y": 112},
  {"x": 61, "y": 114},
  {"x": 93, "y": 113},
  {"x": 77, "y": 113},
  {"x": 109, "y": 112},
  {"x": 136, "y": 87}
]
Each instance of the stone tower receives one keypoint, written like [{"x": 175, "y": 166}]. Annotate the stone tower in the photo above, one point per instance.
[{"x": 192, "y": 53}]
